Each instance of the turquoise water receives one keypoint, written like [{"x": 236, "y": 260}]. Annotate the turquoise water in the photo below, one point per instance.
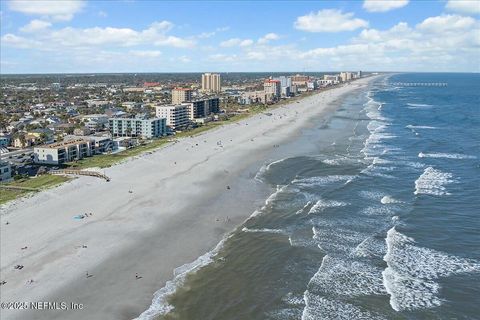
[{"x": 379, "y": 221}]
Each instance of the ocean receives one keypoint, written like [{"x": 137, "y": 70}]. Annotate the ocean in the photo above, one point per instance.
[{"x": 377, "y": 219}]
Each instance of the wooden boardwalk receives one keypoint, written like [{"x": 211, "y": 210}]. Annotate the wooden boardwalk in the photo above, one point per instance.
[{"x": 80, "y": 173}]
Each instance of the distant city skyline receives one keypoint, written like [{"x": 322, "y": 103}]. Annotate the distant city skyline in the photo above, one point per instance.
[{"x": 79, "y": 36}]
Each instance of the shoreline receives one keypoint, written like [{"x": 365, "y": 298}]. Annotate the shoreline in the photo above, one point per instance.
[
  {"x": 179, "y": 208},
  {"x": 159, "y": 144}
]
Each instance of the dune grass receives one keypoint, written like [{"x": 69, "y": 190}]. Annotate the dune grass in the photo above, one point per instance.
[{"x": 39, "y": 183}]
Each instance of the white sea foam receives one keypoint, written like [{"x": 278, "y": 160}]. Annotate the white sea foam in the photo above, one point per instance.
[
  {"x": 317, "y": 307},
  {"x": 432, "y": 182},
  {"x": 293, "y": 299},
  {"x": 412, "y": 270},
  {"x": 376, "y": 171},
  {"x": 446, "y": 155},
  {"x": 377, "y": 210},
  {"x": 263, "y": 230},
  {"x": 413, "y": 164},
  {"x": 389, "y": 200},
  {"x": 410, "y": 126},
  {"x": 265, "y": 168},
  {"x": 372, "y": 195},
  {"x": 339, "y": 161},
  {"x": 337, "y": 240},
  {"x": 370, "y": 247},
  {"x": 160, "y": 305},
  {"x": 347, "y": 278},
  {"x": 303, "y": 208},
  {"x": 321, "y": 180},
  {"x": 419, "y": 106},
  {"x": 322, "y": 204}
]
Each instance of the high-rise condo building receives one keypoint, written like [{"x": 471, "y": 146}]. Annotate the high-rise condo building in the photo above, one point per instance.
[
  {"x": 177, "y": 116},
  {"x": 180, "y": 95},
  {"x": 272, "y": 88},
  {"x": 211, "y": 82}
]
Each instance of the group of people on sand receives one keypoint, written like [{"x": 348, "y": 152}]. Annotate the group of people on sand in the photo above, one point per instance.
[{"x": 85, "y": 215}]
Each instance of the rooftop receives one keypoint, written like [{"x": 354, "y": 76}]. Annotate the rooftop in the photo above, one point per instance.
[{"x": 64, "y": 144}]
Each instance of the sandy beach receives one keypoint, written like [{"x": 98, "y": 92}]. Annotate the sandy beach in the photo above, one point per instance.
[{"x": 160, "y": 210}]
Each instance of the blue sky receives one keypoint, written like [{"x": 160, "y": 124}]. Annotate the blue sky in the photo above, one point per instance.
[{"x": 146, "y": 36}]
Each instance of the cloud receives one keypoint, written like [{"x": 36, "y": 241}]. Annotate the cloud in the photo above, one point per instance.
[
  {"x": 329, "y": 20},
  {"x": 268, "y": 37},
  {"x": 18, "y": 42},
  {"x": 383, "y": 5},
  {"x": 184, "y": 59},
  {"x": 234, "y": 42},
  {"x": 445, "y": 43},
  {"x": 61, "y": 10},
  {"x": 204, "y": 35},
  {"x": 70, "y": 38},
  {"x": 222, "y": 57},
  {"x": 146, "y": 53},
  {"x": 35, "y": 25},
  {"x": 172, "y": 41},
  {"x": 468, "y": 7},
  {"x": 446, "y": 23}
]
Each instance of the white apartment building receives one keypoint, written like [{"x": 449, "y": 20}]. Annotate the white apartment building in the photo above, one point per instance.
[
  {"x": 138, "y": 127},
  {"x": 61, "y": 152},
  {"x": 177, "y": 116},
  {"x": 286, "y": 85},
  {"x": 211, "y": 82},
  {"x": 180, "y": 95},
  {"x": 102, "y": 144}
]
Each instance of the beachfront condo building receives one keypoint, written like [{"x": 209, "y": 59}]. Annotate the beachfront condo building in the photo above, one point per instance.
[
  {"x": 346, "y": 76},
  {"x": 138, "y": 127},
  {"x": 203, "y": 108},
  {"x": 211, "y": 82},
  {"x": 285, "y": 85},
  {"x": 300, "y": 80},
  {"x": 177, "y": 116},
  {"x": 180, "y": 95},
  {"x": 61, "y": 152},
  {"x": 272, "y": 88}
]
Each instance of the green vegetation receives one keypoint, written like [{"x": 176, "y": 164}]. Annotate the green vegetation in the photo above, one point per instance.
[
  {"x": 107, "y": 160},
  {"x": 39, "y": 183}
]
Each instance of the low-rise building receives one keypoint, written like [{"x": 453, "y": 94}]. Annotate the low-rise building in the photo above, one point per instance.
[
  {"x": 102, "y": 144},
  {"x": 61, "y": 152},
  {"x": 122, "y": 143},
  {"x": 5, "y": 171},
  {"x": 138, "y": 127},
  {"x": 252, "y": 97},
  {"x": 84, "y": 131},
  {"x": 25, "y": 140},
  {"x": 4, "y": 141},
  {"x": 177, "y": 116}
]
